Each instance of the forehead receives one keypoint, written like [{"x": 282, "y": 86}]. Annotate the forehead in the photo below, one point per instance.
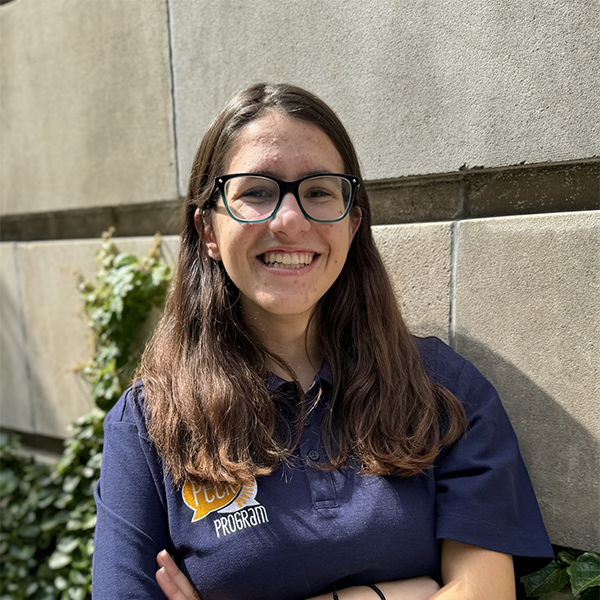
[{"x": 277, "y": 141}]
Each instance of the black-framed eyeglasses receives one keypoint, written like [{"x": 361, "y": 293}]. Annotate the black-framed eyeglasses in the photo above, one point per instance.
[{"x": 252, "y": 198}]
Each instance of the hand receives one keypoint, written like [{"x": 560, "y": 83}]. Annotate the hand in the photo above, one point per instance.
[{"x": 174, "y": 584}]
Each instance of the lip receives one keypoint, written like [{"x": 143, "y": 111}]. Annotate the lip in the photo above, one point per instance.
[
  {"x": 281, "y": 250},
  {"x": 288, "y": 271}
]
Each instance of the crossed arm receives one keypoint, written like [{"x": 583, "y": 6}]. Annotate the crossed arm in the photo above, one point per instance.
[{"x": 468, "y": 573}]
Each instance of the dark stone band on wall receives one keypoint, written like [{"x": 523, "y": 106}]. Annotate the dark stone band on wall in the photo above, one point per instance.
[
  {"x": 85, "y": 223},
  {"x": 467, "y": 194},
  {"x": 479, "y": 193}
]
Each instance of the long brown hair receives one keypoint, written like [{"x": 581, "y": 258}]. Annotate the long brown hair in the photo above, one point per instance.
[{"x": 210, "y": 412}]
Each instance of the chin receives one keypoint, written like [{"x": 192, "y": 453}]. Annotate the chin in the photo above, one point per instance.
[{"x": 281, "y": 307}]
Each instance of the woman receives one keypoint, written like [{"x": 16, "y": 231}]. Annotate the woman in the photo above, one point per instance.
[{"x": 290, "y": 437}]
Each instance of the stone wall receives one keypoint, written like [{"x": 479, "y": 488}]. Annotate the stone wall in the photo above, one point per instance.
[{"x": 478, "y": 130}]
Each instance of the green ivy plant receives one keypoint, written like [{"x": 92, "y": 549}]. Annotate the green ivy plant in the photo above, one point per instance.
[
  {"x": 127, "y": 288},
  {"x": 583, "y": 573},
  {"x": 47, "y": 512}
]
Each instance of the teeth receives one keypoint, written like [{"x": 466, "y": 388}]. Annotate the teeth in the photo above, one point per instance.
[{"x": 295, "y": 260}]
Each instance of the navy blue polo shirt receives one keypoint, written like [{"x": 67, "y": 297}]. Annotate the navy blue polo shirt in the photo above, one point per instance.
[{"x": 297, "y": 531}]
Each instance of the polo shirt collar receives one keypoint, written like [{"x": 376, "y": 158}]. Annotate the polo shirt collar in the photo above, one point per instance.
[{"x": 274, "y": 382}]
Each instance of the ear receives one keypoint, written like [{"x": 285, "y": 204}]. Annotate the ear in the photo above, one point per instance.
[
  {"x": 355, "y": 221},
  {"x": 206, "y": 233}
]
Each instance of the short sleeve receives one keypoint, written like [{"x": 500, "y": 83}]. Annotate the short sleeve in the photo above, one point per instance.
[
  {"x": 484, "y": 496},
  {"x": 132, "y": 523}
]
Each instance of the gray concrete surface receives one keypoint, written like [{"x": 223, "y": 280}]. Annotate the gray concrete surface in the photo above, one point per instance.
[
  {"x": 15, "y": 404},
  {"x": 418, "y": 260},
  {"x": 87, "y": 118},
  {"x": 57, "y": 337},
  {"x": 526, "y": 296},
  {"x": 422, "y": 87}
]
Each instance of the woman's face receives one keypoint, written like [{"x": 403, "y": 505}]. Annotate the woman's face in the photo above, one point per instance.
[{"x": 270, "y": 284}]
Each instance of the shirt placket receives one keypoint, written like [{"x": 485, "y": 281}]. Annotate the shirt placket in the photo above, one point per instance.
[{"x": 320, "y": 483}]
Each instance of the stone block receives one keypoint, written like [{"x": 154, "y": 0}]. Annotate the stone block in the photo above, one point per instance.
[
  {"x": 15, "y": 400},
  {"x": 87, "y": 116},
  {"x": 526, "y": 299},
  {"x": 422, "y": 87},
  {"x": 417, "y": 257},
  {"x": 58, "y": 337}
]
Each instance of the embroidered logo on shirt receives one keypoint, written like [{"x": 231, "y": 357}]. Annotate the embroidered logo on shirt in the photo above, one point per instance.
[{"x": 237, "y": 502}]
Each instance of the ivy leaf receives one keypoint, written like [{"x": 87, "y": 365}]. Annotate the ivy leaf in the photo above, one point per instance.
[
  {"x": 95, "y": 460},
  {"x": 9, "y": 482},
  {"x": 585, "y": 572},
  {"x": 77, "y": 577},
  {"x": 123, "y": 260},
  {"x": 49, "y": 525},
  {"x": 77, "y": 593},
  {"x": 550, "y": 578},
  {"x": 58, "y": 560},
  {"x": 30, "y": 531},
  {"x": 68, "y": 544},
  {"x": 71, "y": 483},
  {"x": 60, "y": 583},
  {"x": 23, "y": 553},
  {"x": 64, "y": 500},
  {"x": 564, "y": 558},
  {"x": 90, "y": 522}
]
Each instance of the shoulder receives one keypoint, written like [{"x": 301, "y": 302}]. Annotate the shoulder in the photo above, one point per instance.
[
  {"x": 446, "y": 367},
  {"x": 442, "y": 363},
  {"x": 129, "y": 410},
  {"x": 128, "y": 449}
]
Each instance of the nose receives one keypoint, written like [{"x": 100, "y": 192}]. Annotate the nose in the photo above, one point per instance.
[{"x": 289, "y": 218}]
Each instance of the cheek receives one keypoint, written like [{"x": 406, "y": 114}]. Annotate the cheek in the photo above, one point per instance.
[
  {"x": 235, "y": 242},
  {"x": 342, "y": 238},
  {"x": 222, "y": 238}
]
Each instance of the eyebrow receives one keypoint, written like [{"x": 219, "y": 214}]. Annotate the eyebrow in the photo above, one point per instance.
[{"x": 268, "y": 173}]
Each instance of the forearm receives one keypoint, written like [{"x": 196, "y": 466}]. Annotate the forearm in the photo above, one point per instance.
[
  {"x": 420, "y": 588},
  {"x": 458, "y": 590},
  {"x": 452, "y": 591},
  {"x": 472, "y": 573}
]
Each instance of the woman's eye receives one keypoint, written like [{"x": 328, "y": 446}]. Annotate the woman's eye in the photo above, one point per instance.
[
  {"x": 256, "y": 194},
  {"x": 318, "y": 194}
]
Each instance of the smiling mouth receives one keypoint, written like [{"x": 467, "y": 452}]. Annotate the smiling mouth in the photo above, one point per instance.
[{"x": 285, "y": 260}]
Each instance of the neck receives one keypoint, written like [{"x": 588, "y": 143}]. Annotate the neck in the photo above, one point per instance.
[{"x": 294, "y": 339}]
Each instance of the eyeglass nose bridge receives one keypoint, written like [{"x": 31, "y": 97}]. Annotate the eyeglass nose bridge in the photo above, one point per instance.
[{"x": 294, "y": 188}]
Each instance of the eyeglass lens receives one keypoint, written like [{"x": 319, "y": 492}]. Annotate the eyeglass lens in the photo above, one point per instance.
[{"x": 252, "y": 198}]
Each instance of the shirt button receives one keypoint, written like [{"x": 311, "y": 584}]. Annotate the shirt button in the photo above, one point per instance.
[
  {"x": 306, "y": 422},
  {"x": 313, "y": 455}
]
